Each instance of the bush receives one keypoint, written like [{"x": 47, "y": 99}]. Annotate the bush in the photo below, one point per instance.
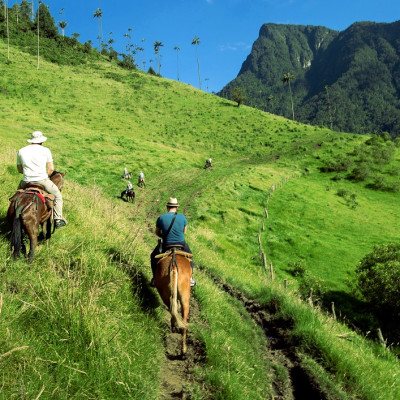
[
  {"x": 378, "y": 279},
  {"x": 312, "y": 286}
]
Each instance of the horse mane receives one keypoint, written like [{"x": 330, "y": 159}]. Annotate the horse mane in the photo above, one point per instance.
[{"x": 55, "y": 173}]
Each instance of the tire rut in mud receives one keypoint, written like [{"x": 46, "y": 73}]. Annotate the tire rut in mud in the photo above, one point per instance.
[
  {"x": 177, "y": 373},
  {"x": 281, "y": 350}
]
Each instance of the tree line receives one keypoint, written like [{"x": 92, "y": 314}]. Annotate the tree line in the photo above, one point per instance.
[{"x": 29, "y": 28}]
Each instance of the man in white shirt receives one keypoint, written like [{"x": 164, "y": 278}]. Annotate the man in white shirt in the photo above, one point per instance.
[
  {"x": 129, "y": 187},
  {"x": 35, "y": 162}
]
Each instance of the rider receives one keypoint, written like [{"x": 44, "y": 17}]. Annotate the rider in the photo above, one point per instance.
[
  {"x": 125, "y": 171},
  {"x": 129, "y": 187},
  {"x": 175, "y": 234},
  {"x": 35, "y": 162},
  {"x": 141, "y": 177}
]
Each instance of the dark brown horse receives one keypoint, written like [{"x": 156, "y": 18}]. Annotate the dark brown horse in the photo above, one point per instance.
[
  {"x": 28, "y": 211},
  {"x": 130, "y": 195},
  {"x": 172, "y": 280},
  {"x": 208, "y": 165}
]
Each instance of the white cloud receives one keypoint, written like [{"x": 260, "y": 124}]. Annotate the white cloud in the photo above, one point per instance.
[{"x": 238, "y": 46}]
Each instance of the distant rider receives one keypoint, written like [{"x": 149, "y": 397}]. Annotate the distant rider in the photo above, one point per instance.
[
  {"x": 176, "y": 234},
  {"x": 141, "y": 177},
  {"x": 125, "y": 171},
  {"x": 129, "y": 187},
  {"x": 35, "y": 162}
]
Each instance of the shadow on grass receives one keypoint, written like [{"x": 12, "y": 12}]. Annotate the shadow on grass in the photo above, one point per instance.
[
  {"x": 141, "y": 290},
  {"x": 351, "y": 310},
  {"x": 5, "y": 228}
]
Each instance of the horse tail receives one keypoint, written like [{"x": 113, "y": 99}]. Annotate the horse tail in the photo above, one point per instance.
[
  {"x": 16, "y": 233},
  {"x": 174, "y": 299}
]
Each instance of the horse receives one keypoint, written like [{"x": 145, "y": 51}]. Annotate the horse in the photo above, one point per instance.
[
  {"x": 29, "y": 210},
  {"x": 127, "y": 176},
  {"x": 172, "y": 280},
  {"x": 130, "y": 195},
  {"x": 208, "y": 165},
  {"x": 141, "y": 183}
]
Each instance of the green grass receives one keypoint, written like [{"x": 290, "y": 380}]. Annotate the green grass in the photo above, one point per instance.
[{"x": 92, "y": 326}]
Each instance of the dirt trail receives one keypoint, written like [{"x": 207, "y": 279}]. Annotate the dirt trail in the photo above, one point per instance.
[{"x": 177, "y": 373}]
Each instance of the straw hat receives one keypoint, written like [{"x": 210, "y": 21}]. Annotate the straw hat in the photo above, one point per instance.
[
  {"x": 37, "y": 137},
  {"x": 173, "y": 202}
]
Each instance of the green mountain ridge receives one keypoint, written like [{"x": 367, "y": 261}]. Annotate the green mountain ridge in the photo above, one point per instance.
[{"x": 351, "y": 78}]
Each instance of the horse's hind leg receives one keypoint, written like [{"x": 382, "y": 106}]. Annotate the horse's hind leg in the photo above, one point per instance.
[
  {"x": 185, "y": 314},
  {"x": 33, "y": 237}
]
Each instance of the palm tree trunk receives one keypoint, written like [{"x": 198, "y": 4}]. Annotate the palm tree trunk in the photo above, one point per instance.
[
  {"x": 37, "y": 67},
  {"x": 8, "y": 31},
  {"x": 198, "y": 66},
  {"x": 291, "y": 100}
]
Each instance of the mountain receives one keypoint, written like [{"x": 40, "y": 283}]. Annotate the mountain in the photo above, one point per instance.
[{"x": 349, "y": 80}]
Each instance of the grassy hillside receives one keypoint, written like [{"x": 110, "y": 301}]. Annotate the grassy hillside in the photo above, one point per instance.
[{"x": 82, "y": 322}]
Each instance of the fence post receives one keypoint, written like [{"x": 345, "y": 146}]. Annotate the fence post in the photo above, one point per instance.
[
  {"x": 285, "y": 283},
  {"x": 333, "y": 310},
  {"x": 380, "y": 338},
  {"x": 264, "y": 258},
  {"x": 271, "y": 271}
]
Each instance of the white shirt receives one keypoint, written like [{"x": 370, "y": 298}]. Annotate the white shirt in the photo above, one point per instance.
[
  {"x": 34, "y": 159},
  {"x": 129, "y": 186},
  {"x": 141, "y": 175}
]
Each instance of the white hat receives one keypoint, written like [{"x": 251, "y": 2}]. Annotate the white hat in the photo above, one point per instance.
[
  {"x": 173, "y": 202},
  {"x": 37, "y": 137}
]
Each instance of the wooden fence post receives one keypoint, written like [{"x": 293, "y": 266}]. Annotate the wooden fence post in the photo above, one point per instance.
[
  {"x": 264, "y": 258},
  {"x": 285, "y": 283},
  {"x": 333, "y": 310},
  {"x": 380, "y": 338},
  {"x": 271, "y": 271}
]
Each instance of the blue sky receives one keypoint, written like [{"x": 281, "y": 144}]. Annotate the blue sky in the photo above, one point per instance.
[{"x": 226, "y": 28}]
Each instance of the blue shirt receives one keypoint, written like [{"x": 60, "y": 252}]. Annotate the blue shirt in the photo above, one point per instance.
[{"x": 176, "y": 233}]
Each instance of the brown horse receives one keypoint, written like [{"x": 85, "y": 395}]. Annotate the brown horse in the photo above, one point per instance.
[
  {"x": 28, "y": 211},
  {"x": 172, "y": 280},
  {"x": 130, "y": 195}
]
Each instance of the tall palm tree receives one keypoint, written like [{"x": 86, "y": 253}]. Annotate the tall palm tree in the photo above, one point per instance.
[
  {"x": 157, "y": 46},
  {"x": 177, "y": 49},
  {"x": 8, "y": 30},
  {"x": 326, "y": 87},
  {"x": 38, "y": 15},
  {"x": 196, "y": 42},
  {"x": 99, "y": 15},
  {"x": 287, "y": 77},
  {"x": 62, "y": 25}
]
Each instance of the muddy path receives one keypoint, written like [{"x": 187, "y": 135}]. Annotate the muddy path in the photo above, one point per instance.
[{"x": 177, "y": 374}]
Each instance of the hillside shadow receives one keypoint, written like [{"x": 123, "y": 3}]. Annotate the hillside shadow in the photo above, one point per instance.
[{"x": 352, "y": 311}]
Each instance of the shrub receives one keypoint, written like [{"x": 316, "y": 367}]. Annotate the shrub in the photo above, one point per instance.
[
  {"x": 378, "y": 279},
  {"x": 298, "y": 268},
  {"x": 312, "y": 286}
]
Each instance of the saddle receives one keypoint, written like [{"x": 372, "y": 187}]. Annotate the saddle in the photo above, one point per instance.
[
  {"x": 169, "y": 251},
  {"x": 32, "y": 188}
]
